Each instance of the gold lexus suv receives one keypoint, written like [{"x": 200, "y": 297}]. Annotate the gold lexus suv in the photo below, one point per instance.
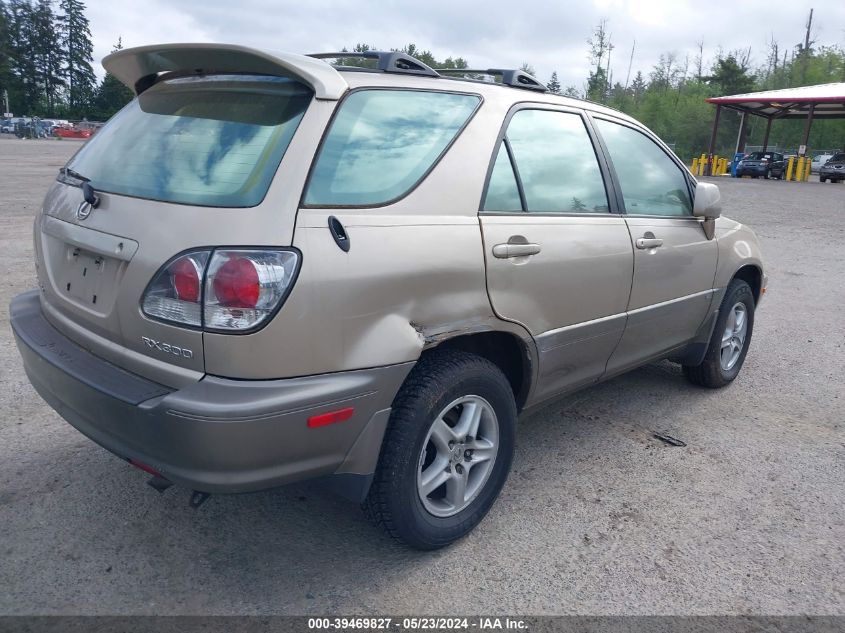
[{"x": 269, "y": 268}]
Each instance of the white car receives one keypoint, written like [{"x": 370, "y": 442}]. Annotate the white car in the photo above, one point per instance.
[{"x": 818, "y": 161}]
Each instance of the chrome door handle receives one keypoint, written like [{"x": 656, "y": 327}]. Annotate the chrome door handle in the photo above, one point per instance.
[
  {"x": 503, "y": 251},
  {"x": 645, "y": 243}
]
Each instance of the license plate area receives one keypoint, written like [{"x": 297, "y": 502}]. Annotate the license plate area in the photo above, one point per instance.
[
  {"x": 84, "y": 267},
  {"x": 87, "y": 279}
]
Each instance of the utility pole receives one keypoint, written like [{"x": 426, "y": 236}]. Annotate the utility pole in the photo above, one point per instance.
[
  {"x": 805, "y": 52},
  {"x": 807, "y": 35},
  {"x": 631, "y": 63},
  {"x": 6, "y": 102}
]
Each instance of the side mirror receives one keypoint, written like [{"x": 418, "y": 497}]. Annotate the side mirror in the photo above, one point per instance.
[
  {"x": 708, "y": 201},
  {"x": 708, "y": 205}
]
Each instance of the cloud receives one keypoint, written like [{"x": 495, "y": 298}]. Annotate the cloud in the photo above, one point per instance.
[{"x": 494, "y": 33}]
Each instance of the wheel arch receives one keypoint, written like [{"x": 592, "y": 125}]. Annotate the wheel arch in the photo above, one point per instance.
[
  {"x": 509, "y": 351},
  {"x": 753, "y": 276}
]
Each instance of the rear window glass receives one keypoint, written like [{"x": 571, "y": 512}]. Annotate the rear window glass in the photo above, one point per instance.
[
  {"x": 383, "y": 142},
  {"x": 209, "y": 141},
  {"x": 837, "y": 158}
]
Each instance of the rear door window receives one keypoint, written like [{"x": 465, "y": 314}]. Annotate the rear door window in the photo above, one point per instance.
[
  {"x": 556, "y": 166},
  {"x": 208, "y": 141},
  {"x": 382, "y": 143}
]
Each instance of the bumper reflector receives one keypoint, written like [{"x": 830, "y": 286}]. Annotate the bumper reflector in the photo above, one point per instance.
[
  {"x": 323, "y": 419},
  {"x": 144, "y": 467}
]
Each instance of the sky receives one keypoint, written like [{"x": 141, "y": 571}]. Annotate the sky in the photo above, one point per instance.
[{"x": 551, "y": 36}]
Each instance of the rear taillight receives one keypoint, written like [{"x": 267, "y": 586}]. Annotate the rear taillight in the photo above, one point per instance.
[
  {"x": 225, "y": 290},
  {"x": 187, "y": 277},
  {"x": 245, "y": 287},
  {"x": 174, "y": 293}
]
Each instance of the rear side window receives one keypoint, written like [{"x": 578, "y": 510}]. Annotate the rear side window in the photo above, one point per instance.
[
  {"x": 383, "y": 142},
  {"x": 208, "y": 141},
  {"x": 555, "y": 162}
]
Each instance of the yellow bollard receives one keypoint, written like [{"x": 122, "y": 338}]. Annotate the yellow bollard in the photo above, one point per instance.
[
  {"x": 724, "y": 168},
  {"x": 694, "y": 168},
  {"x": 807, "y": 166},
  {"x": 799, "y": 169},
  {"x": 789, "y": 167},
  {"x": 702, "y": 165}
]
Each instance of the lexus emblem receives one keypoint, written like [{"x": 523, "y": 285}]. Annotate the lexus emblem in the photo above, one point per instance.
[{"x": 83, "y": 210}]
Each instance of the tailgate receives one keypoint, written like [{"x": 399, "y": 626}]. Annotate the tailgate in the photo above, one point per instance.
[{"x": 192, "y": 163}]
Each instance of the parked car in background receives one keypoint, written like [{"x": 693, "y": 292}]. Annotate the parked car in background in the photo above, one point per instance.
[
  {"x": 7, "y": 127},
  {"x": 71, "y": 132},
  {"x": 818, "y": 161},
  {"x": 33, "y": 128},
  {"x": 762, "y": 165},
  {"x": 287, "y": 270},
  {"x": 834, "y": 169}
]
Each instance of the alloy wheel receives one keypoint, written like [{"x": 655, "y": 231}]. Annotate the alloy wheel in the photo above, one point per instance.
[
  {"x": 733, "y": 338},
  {"x": 457, "y": 456}
]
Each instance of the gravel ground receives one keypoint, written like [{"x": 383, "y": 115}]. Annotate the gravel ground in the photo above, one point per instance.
[{"x": 597, "y": 516}]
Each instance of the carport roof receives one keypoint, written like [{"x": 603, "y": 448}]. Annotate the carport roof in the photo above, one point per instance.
[{"x": 827, "y": 100}]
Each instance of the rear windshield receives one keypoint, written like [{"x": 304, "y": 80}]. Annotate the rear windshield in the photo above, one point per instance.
[
  {"x": 759, "y": 156},
  {"x": 210, "y": 141},
  {"x": 837, "y": 158}
]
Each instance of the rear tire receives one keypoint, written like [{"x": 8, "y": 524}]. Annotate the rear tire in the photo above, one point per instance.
[
  {"x": 453, "y": 422},
  {"x": 729, "y": 341},
  {"x": 822, "y": 179}
]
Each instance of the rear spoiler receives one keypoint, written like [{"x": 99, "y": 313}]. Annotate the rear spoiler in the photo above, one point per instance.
[{"x": 139, "y": 67}]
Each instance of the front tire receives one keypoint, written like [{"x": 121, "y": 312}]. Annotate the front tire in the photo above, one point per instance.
[
  {"x": 447, "y": 450},
  {"x": 822, "y": 179},
  {"x": 729, "y": 341}
]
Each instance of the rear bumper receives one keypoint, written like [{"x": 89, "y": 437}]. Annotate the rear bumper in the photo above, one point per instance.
[
  {"x": 216, "y": 435},
  {"x": 838, "y": 174}
]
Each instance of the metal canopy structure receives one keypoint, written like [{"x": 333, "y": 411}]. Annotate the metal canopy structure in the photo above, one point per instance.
[{"x": 823, "y": 101}]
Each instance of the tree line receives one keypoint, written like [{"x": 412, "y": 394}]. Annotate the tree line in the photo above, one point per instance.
[
  {"x": 670, "y": 99},
  {"x": 46, "y": 62}
]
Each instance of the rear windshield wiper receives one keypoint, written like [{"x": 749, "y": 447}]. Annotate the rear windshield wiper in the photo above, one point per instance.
[{"x": 88, "y": 192}]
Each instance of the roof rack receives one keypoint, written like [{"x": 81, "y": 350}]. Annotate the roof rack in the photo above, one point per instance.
[
  {"x": 388, "y": 61},
  {"x": 514, "y": 78},
  {"x": 397, "y": 62}
]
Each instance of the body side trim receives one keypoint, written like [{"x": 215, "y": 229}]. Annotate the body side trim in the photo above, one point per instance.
[
  {"x": 578, "y": 332},
  {"x": 656, "y": 306}
]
